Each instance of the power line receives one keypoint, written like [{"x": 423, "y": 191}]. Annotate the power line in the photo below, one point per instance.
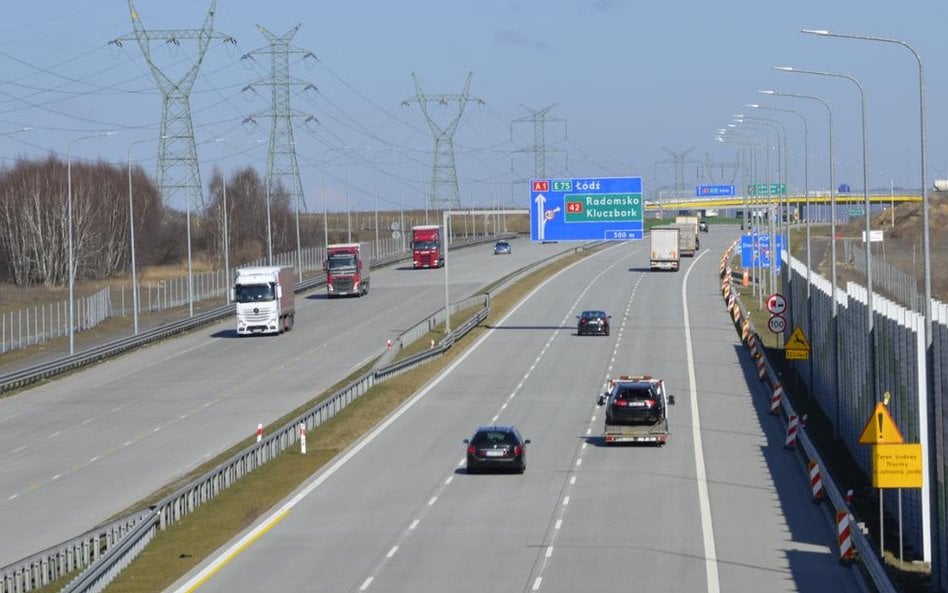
[
  {"x": 178, "y": 170},
  {"x": 444, "y": 175}
]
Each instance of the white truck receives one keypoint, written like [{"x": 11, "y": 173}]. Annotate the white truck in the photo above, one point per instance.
[
  {"x": 264, "y": 299},
  {"x": 664, "y": 248},
  {"x": 687, "y": 239},
  {"x": 636, "y": 410}
]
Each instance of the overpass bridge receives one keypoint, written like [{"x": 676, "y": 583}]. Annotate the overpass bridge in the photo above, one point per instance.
[{"x": 699, "y": 203}]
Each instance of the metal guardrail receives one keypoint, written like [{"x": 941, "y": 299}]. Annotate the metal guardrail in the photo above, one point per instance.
[
  {"x": 41, "y": 372},
  {"x": 108, "y": 549},
  {"x": 867, "y": 555}
]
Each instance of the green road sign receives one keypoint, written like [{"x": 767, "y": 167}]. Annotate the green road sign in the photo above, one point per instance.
[
  {"x": 761, "y": 189},
  {"x": 614, "y": 207}
]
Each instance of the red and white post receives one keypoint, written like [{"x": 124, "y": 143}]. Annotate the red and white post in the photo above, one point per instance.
[
  {"x": 303, "y": 438},
  {"x": 259, "y": 432},
  {"x": 844, "y": 536},
  {"x": 792, "y": 425}
]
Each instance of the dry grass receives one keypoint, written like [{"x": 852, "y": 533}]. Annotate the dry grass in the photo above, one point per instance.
[{"x": 174, "y": 552}]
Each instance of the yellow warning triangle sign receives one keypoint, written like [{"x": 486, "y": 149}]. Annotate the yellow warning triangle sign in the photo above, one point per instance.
[
  {"x": 797, "y": 340},
  {"x": 881, "y": 429}
]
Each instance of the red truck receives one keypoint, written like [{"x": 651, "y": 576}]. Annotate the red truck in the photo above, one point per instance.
[
  {"x": 347, "y": 272},
  {"x": 426, "y": 248}
]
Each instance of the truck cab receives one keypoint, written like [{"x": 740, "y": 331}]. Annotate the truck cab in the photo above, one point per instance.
[
  {"x": 347, "y": 270},
  {"x": 426, "y": 247}
]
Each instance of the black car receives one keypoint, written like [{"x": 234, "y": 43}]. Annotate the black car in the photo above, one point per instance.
[
  {"x": 703, "y": 226},
  {"x": 593, "y": 322},
  {"x": 496, "y": 446},
  {"x": 636, "y": 402}
]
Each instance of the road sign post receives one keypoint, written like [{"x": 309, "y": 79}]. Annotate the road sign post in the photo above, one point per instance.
[{"x": 586, "y": 209}]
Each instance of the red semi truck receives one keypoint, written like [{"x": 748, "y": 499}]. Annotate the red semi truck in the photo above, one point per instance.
[
  {"x": 426, "y": 247},
  {"x": 347, "y": 272}
]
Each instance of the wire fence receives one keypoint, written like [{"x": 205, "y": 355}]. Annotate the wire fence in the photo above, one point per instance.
[{"x": 40, "y": 323}]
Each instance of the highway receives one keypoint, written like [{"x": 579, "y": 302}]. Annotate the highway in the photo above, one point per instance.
[
  {"x": 84, "y": 447},
  {"x": 721, "y": 507}
]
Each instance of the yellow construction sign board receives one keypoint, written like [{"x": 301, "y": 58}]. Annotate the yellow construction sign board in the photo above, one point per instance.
[
  {"x": 881, "y": 428},
  {"x": 897, "y": 466},
  {"x": 797, "y": 347}
]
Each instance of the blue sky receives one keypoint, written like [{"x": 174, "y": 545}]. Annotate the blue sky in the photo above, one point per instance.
[{"x": 629, "y": 80}]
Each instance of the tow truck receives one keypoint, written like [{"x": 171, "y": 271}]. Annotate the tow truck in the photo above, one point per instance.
[{"x": 636, "y": 410}]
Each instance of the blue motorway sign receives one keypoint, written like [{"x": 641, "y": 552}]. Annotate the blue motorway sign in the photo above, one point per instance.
[
  {"x": 756, "y": 252},
  {"x": 714, "y": 190},
  {"x": 586, "y": 209}
]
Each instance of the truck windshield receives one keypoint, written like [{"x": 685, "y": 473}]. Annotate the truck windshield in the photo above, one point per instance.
[
  {"x": 342, "y": 261},
  {"x": 253, "y": 293},
  {"x": 426, "y": 244}
]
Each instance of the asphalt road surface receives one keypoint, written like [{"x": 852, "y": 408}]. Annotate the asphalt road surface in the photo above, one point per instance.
[
  {"x": 83, "y": 447},
  {"x": 722, "y": 507}
]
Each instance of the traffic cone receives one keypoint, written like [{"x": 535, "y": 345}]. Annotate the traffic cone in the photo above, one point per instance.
[{"x": 745, "y": 279}]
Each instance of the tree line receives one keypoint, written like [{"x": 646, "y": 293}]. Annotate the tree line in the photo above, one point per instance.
[{"x": 34, "y": 239}]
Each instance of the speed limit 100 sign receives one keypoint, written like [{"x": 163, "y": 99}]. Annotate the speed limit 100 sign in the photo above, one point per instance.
[
  {"x": 777, "y": 324},
  {"x": 776, "y": 304}
]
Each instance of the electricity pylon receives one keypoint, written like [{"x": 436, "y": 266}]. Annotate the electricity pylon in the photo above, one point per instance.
[
  {"x": 723, "y": 167},
  {"x": 679, "y": 160},
  {"x": 539, "y": 150},
  {"x": 178, "y": 171},
  {"x": 444, "y": 174},
  {"x": 282, "y": 164}
]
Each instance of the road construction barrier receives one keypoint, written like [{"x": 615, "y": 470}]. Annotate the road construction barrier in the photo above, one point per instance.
[
  {"x": 792, "y": 425},
  {"x": 259, "y": 432},
  {"x": 303, "y": 438},
  {"x": 761, "y": 366},
  {"x": 844, "y": 536},
  {"x": 816, "y": 481},
  {"x": 776, "y": 399}
]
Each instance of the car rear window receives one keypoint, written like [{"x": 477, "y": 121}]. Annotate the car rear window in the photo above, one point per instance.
[
  {"x": 636, "y": 394},
  {"x": 494, "y": 437}
]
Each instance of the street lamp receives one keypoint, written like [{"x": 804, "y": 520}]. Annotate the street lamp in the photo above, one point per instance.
[
  {"x": 865, "y": 192},
  {"x": 72, "y": 265},
  {"x": 778, "y": 128},
  {"x": 832, "y": 183},
  {"x": 131, "y": 236},
  {"x": 926, "y": 245}
]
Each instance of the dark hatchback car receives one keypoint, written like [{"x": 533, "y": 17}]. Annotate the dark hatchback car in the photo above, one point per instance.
[
  {"x": 502, "y": 247},
  {"x": 496, "y": 446},
  {"x": 592, "y": 322},
  {"x": 635, "y": 403}
]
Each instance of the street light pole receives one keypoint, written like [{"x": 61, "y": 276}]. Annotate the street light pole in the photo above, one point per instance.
[
  {"x": 926, "y": 245},
  {"x": 131, "y": 229},
  {"x": 870, "y": 330},
  {"x": 72, "y": 258},
  {"x": 833, "y": 289}
]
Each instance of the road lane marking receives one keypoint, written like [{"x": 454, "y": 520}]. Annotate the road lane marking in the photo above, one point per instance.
[
  {"x": 392, "y": 552},
  {"x": 701, "y": 475}
]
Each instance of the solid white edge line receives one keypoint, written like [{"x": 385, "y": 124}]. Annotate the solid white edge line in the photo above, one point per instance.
[
  {"x": 244, "y": 542},
  {"x": 704, "y": 500}
]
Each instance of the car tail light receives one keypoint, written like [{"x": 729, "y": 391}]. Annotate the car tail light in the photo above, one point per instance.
[
  {"x": 621, "y": 403},
  {"x": 471, "y": 450},
  {"x": 650, "y": 403},
  {"x": 582, "y": 322},
  {"x": 517, "y": 450}
]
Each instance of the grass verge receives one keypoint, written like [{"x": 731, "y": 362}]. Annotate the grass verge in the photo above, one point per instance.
[{"x": 177, "y": 550}]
